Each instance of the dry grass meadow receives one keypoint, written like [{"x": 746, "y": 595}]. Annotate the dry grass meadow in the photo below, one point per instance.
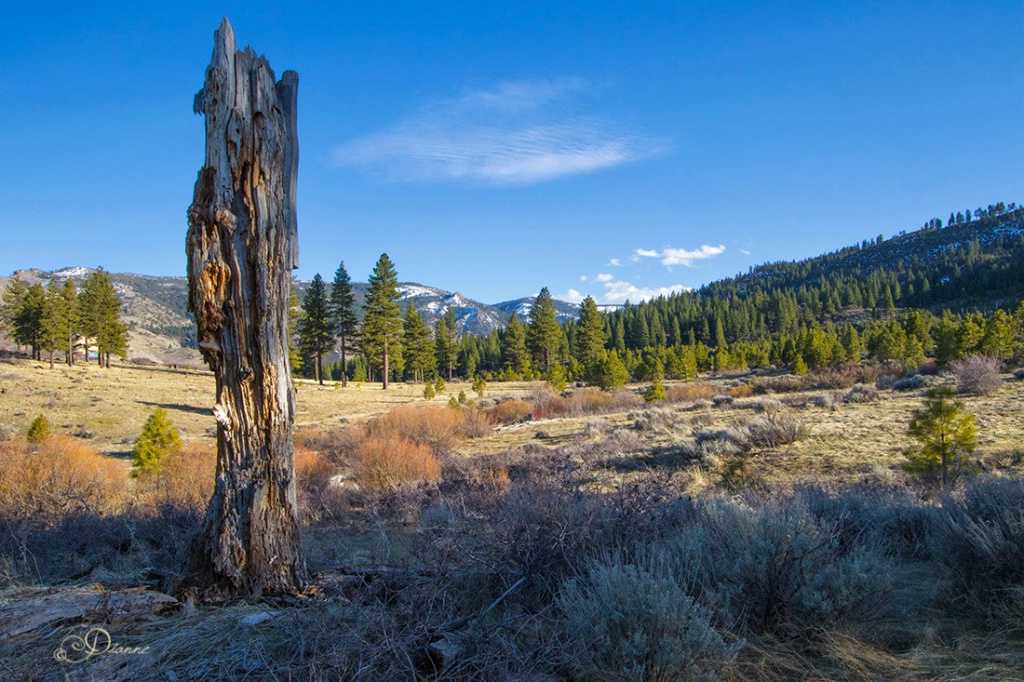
[{"x": 748, "y": 528}]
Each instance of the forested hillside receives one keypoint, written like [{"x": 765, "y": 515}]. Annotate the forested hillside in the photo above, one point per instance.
[{"x": 943, "y": 291}]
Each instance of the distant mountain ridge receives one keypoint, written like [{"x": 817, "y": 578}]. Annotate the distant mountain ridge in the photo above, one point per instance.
[{"x": 158, "y": 306}]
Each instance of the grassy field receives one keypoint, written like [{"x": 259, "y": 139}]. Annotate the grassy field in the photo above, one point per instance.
[
  {"x": 808, "y": 554},
  {"x": 846, "y": 440}
]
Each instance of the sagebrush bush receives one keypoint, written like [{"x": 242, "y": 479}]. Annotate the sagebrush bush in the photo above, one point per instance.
[
  {"x": 910, "y": 383},
  {"x": 782, "y": 384},
  {"x": 776, "y": 569},
  {"x": 768, "y": 405},
  {"x": 620, "y": 622},
  {"x": 861, "y": 393},
  {"x": 978, "y": 375},
  {"x": 979, "y": 538},
  {"x": 654, "y": 419},
  {"x": 772, "y": 429}
]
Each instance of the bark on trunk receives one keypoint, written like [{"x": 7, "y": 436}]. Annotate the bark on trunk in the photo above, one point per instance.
[{"x": 242, "y": 245}]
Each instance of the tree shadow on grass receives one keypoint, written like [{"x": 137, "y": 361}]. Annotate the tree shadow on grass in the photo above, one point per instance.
[{"x": 180, "y": 407}]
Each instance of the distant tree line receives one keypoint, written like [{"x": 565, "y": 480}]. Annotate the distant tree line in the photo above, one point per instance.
[
  {"x": 58, "y": 318},
  {"x": 889, "y": 301}
]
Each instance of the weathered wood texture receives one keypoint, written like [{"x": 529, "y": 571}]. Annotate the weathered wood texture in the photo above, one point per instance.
[{"x": 242, "y": 244}]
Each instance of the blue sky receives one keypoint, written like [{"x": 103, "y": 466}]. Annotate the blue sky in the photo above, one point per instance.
[{"x": 612, "y": 149}]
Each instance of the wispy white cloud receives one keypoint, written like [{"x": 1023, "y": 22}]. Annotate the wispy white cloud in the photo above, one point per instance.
[
  {"x": 671, "y": 256},
  {"x": 514, "y": 134},
  {"x": 604, "y": 277},
  {"x": 616, "y": 262},
  {"x": 583, "y": 278},
  {"x": 619, "y": 292}
]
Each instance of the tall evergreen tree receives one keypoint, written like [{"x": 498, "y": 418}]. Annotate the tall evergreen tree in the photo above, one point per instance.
[
  {"x": 294, "y": 315},
  {"x": 543, "y": 333},
  {"x": 22, "y": 313},
  {"x": 418, "y": 347},
  {"x": 446, "y": 340},
  {"x": 343, "y": 316},
  {"x": 53, "y": 322},
  {"x": 590, "y": 338},
  {"x": 382, "y": 321},
  {"x": 315, "y": 327},
  {"x": 101, "y": 317},
  {"x": 71, "y": 319},
  {"x": 514, "y": 356}
]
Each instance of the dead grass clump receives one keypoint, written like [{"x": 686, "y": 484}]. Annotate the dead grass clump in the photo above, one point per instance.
[
  {"x": 387, "y": 461},
  {"x": 686, "y": 393},
  {"x": 62, "y": 477},
  {"x": 978, "y": 375},
  {"x": 509, "y": 412}
]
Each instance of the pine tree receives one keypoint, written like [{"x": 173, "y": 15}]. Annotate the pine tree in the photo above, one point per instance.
[
  {"x": 418, "y": 346},
  {"x": 159, "y": 438},
  {"x": 946, "y": 435},
  {"x": 382, "y": 322},
  {"x": 590, "y": 338},
  {"x": 543, "y": 333},
  {"x": 101, "y": 317},
  {"x": 514, "y": 357},
  {"x": 53, "y": 323},
  {"x": 446, "y": 342},
  {"x": 23, "y": 314},
  {"x": 315, "y": 327},
  {"x": 72, "y": 319},
  {"x": 343, "y": 317},
  {"x": 294, "y": 315},
  {"x": 11, "y": 310},
  {"x": 38, "y": 430}
]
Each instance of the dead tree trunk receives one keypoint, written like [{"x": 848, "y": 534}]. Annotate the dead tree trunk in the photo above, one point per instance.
[{"x": 242, "y": 245}]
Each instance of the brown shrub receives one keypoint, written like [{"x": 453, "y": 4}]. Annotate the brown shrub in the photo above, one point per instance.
[
  {"x": 687, "y": 393},
  {"x": 741, "y": 391},
  {"x": 586, "y": 401},
  {"x": 438, "y": 427},
  {"x": 185, "y": 481},
  {"x": 64, "y": 476},
  {"x": 547, "y": 405},
  {"x": 508, "y": 412},
  {"x": 387, "y": 461},
  {"x": 978, "y": 375},
  {"x": 313, "y": 471}
]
